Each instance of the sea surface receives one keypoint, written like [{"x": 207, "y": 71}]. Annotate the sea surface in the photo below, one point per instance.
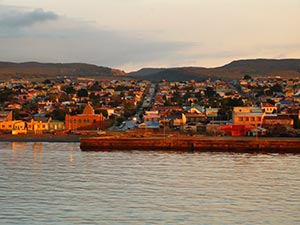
[{"x": 56, "y": 183}]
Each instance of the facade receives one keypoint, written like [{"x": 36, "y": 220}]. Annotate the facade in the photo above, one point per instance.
[
  {"x": 151, "y": 116},
  {"x": 88, "y": 120},
  {"x": 283, "y": 120},
  {"x": 247, "y": 116},
  {"x": 268, "y": 108}
]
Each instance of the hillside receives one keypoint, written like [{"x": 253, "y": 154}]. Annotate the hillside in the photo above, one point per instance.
[
  {"x": 286, "y": 68},
  {"x": 35, "y": 70}
]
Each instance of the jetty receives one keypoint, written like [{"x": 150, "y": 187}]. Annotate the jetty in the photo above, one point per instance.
[{"x": 193, "y": 144}]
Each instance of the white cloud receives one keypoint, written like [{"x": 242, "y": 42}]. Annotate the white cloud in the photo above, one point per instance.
[{"x": 135, "y": 33}]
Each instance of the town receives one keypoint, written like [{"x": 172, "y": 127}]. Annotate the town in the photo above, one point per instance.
[{"x": 245, "y": 107}]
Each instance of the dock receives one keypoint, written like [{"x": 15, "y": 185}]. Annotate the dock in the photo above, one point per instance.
[{"x": 193, "y": 144}]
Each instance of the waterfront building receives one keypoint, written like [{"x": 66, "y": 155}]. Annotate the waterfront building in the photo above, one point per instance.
[
  {"x": 247, "y": 116},
  {"x": 195, "y": 114},
  {"x": 152, "y": 116},
  {"x": 268, "y": 108},
  {"x": 6, "y": 121},
  {"x": 88, "y": 120}
]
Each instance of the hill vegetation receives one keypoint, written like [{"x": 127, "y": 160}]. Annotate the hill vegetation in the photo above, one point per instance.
[
  {"x": 36, "y": 70},
  {"x": 286, "y": 68}
]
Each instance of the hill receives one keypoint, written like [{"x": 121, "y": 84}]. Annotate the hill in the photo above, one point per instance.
[
  {"x": 286, "y": 68},
  {"x": 36, "y": 70}
]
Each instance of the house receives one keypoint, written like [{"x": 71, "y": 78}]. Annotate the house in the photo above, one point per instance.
[
  {"x": 88, "y": 120},
  {"x": 212, "y": 113},
  {"x": 6, "y": 121},
  {"x": 278, "y": 119},
  {"x": 247, "y": 116},
  {"x": 268, "y": 108},
  {"x": 178, "y": 122},
  {"x": 195, "y": 114},
  {"x": 151, "y": 116}
]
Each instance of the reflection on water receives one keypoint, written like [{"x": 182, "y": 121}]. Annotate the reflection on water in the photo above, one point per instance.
[
  {"x": 37, "y": 147},
  {"x": 18, "y": 145},
  {"x": 56, "y": 183}
]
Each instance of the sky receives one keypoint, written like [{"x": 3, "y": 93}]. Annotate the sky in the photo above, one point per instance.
[{"x": 132, "y": 34}]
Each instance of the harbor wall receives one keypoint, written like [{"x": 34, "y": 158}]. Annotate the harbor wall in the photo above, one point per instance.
[{"x": 193, "y": 144}]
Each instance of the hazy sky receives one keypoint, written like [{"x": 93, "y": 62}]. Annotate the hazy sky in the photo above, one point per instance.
[{"x": 130, "y": 34}]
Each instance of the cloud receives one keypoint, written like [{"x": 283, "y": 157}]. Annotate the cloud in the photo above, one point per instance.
[
  {"x": 65, "y": 39},
  {"x": 13, "y": 18}
]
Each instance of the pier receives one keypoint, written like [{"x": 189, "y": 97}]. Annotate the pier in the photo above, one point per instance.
[{"x": 193, "y": 144}]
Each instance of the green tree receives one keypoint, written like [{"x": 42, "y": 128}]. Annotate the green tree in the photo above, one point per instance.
[
  {"x": 82, "y": 93},
  {"x": 70, "y": 90},
  {"x": 276, "y": 88},
  {"x": 247, "y": 77},
  {"x": 210, "y": 92}
]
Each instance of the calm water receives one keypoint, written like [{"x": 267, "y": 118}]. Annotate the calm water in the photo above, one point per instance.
[{"x": 56, "y": 183}]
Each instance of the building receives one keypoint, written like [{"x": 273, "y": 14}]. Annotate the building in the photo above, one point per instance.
[
  {"x": 6, "y": 121},
  {"x": 195, "y": 115},
  {"x": 247, "y": 116},
  {"x": 151, "y": 116},
  {"x": 88, "y": 120},
  {"x": 268, "y": 108}
]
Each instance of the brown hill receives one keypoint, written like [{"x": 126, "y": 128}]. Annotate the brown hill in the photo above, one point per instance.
[
  {"x": 286, "y": 68},
  {"x": 35, "y": 70}
]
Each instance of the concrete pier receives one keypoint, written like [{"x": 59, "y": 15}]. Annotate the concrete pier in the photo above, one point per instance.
[{"x": 192, "y": 144}]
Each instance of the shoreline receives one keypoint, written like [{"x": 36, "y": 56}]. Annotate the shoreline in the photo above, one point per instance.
[
  {"x": 193, "y": 144},
  {"x": 39, "y": 138}
]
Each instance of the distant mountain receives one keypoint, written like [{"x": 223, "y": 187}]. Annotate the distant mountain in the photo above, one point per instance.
[
  {"x": 286, "y": 68},
  {"x": 36, "y": 70}
]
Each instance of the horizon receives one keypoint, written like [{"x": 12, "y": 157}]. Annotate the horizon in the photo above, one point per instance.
[
  {"x": 151, "y": 67},
  {"x": 148, "y": 33}
]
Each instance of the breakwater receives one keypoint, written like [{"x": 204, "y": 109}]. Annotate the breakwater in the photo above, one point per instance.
[{"x": 192, "y": 144}]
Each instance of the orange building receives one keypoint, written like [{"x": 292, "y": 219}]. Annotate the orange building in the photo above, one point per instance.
[{"x": 88, "y": 120}]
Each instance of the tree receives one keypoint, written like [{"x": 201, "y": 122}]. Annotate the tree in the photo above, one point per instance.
[
  {"x": 70, "y": 90},
  {"x": 103, "y": 112},
  {"x": 209, "y": 92},
  {"x": 247, "y": 77},
  {"x": 58, "y": 114},
  {"x": 276, "y": 88},
  {"x": 47, "y": 81},
  {"x": 82, "y": 93}
]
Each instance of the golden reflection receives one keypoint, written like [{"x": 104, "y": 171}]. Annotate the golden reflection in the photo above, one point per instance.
[
  {"x": 18, "y": 145},
  {"x": 71, "y": 157},
  {"x": 37, "y": 147}
]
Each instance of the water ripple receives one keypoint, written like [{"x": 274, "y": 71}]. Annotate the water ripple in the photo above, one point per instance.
[{"x": 56, "y": 183}]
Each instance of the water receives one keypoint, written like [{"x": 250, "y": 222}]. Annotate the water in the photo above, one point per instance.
[{"x": 56, "y": 183}]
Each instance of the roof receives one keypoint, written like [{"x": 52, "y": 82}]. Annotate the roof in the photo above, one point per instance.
[
  {"x": 88, "y": 110},
  {"x": 267, "y": 105}
]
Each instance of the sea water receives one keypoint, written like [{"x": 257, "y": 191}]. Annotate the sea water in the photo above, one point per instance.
[{"x": 56, "y": 183}]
